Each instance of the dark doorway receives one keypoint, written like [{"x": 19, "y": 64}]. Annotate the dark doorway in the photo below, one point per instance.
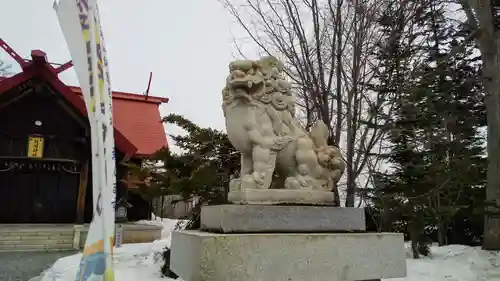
[{"x": 38, "y": 191}]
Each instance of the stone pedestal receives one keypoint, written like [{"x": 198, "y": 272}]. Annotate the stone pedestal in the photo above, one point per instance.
[
  {"x": 280, "y": 196},
  {"x": 273, "y": 219},
  {"x": 285, "y": 243},
  {"x": 203, "y": 256}
]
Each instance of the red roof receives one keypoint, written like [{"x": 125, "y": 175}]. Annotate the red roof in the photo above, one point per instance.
[
  {"x": 139, "y": 120},
  {"x": 138, "y": 129}
]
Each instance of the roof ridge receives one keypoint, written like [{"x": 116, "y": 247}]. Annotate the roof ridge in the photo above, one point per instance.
[{"x": 128, "y": 96}]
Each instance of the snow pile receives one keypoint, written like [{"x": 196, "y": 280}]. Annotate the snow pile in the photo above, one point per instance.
[
  {"x": 454, "y": 263},
  {"x": 131, "y": 262},
  {"x": 167, "y": 224},
  {"x": 141, "y": 261}
]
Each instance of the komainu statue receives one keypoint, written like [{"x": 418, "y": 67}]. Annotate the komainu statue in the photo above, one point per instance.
[{"x": 259, "y": 109}]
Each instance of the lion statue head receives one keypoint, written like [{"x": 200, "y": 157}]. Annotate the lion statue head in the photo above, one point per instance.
[{"x": 261, "y": 82}]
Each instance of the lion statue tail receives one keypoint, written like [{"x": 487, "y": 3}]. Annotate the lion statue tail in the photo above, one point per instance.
[{"x": 319, "y": 134}]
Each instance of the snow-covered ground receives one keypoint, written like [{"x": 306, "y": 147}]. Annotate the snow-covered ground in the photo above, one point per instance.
[
  {"x": 454, "y": 263},
  {"x": 143, "y": 261},
  {"x": 132, "y": 262}
]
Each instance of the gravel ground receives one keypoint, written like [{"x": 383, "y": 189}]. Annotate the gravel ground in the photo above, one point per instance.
[{"x": 21, "y": 266}]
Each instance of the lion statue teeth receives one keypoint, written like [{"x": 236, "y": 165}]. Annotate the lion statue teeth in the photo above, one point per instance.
[{"x": 259, "y": 109}]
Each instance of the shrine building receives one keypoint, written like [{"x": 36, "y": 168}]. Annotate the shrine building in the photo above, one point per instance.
[{"x": 45, "y": 163}]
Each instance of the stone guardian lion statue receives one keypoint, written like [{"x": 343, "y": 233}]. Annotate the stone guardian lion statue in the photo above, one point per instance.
[{"x": 259, "y": 109}]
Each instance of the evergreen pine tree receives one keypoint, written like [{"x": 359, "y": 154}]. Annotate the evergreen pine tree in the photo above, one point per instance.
[
  {"x": 202, "y": 170},
  {"x": 5, "y": 69},
  {"x": 436, "y": 151},
  {"x": 450, "y": 102}
]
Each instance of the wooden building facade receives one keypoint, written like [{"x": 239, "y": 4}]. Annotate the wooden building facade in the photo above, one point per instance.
[{"x": 45, "y": 167}]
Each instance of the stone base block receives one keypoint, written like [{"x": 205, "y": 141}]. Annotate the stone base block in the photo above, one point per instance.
[
  {"x": 203, "y": 256},
  {"x": 280, "y": 196},
  {"x": 273, "y": 218}
]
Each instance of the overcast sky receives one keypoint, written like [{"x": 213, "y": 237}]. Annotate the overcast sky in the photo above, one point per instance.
[{"x": 187, "y": 44}]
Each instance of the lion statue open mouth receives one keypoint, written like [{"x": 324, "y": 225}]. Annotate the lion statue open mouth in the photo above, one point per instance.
[{"x": 259, "y": 109}]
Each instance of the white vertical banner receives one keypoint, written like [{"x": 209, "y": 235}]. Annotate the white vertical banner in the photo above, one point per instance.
[{"x": 80, "y": 24}]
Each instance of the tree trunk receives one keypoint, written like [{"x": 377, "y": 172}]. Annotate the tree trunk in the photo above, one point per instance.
[
  {"x": 440, "y": 222},
  {"x": 491, "y": 73},
  {"x": 492, "y": 223},
  {"x": 415, "y": 229},
  {"x": 162, "y": 210},
  {"x": 441, "y": 232},
  {"x": 414, "y": 244},
  {"x": 489, "y": 43}
]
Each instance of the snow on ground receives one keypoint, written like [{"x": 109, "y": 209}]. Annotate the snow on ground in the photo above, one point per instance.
[
  {"x": 167, "y": 224},
  {"x": 454, "y": 263},
  {"x": 142, "y": 262},
  {"x": 132, "y": 262}
]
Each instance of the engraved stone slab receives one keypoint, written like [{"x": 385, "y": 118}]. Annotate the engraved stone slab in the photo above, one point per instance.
[
  {"x": 269, "y": 218},
  {"x": 203, "y": 256},
  {"x": 280, "y": 196}
]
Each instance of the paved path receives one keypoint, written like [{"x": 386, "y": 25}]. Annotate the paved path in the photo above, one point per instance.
[{"x": 21, "y": 266}]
